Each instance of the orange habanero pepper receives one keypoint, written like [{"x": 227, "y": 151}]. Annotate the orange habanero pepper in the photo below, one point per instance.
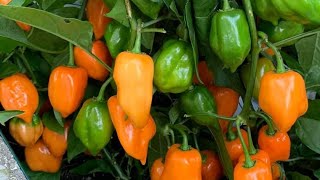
[
  {"x": 156, "y": 169},
  {"x": 135, "y": 141},
  {"x": 39, "y": 158},
  {"x": 17, "y": 92},
  {"x": 211, "y": 167},
  {"x": 133, "y": 75},
  {"x": 277, "y": 173},
  {"x": 96, "y": 10},
  {"x": 260, "y": 155},
  {"x": 259, "y": 171},
  {"x": 205, "y": 74},
  {"x": 233, "y": 144},
  {"x": 94, "y": 68},
  {"x": 66, "y": 88}
]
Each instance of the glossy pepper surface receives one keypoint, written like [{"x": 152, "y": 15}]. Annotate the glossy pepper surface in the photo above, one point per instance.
[
  {"x": 93, "y": 125},
  {"x": 149, "y": 8},
  {"x": 283, "y": 96},
  {"x": 260, "y": 155},
  {"x": 265, "y": 10},
  {"x": 206, "y": 75},
  {"x": 135, "y": 141},
  {"x": 39, "y": 158},
  {"x": 234, "y": 146},
  {"x": 156, "y": 169},
  {"x": 230, "y": 36},
  {"x": 94, "y": 69},
  {"x": 198, "y": 99},
  {"x": 66, "y": 88},
  {"x": 133, "y": 75},
  {"x": 277, "y": 145},
  {"x": 264, "y": 65},
  {"x": 260, "y": 171},
  {"x": 117, "y": 37},
  {"x": 173, "y": 68},
  {"x": 211, "y": 168},
  {"x": 26, "y": 134},
  {"x": 181, "y": 165},
  {"x": 17, "y": 92},
  {"x": 96, "y": 10},
  {"x": 276, "y": 170}
]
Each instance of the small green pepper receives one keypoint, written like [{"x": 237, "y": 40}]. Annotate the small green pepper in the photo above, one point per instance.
[{"x": 265, "y": 10}]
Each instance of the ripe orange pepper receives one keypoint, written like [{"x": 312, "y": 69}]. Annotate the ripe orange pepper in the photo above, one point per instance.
[
  {"x": 156, "y": 169},
  {"x": 260, "y": 171},
  {"x": 227, "y": 101},
  {"x": 24, "y": 26},
  {"x": 39, "y": 158},
  {"x": 269, "y": 51},
  {"x": 135, "y": 141},
  {"x": 94, "y": 68},
  {"x": 133, "y": 75},
  {"x": 205, "y": 74},
  {"x": 26, "y": 134},
  {"x": 277, "y": 172},
  {"x": 260, "y": 155},
  {"x": 96, "y": 10},
  {"x": 17, "y": 92},
  {"x": 283, "y": 96},
  {"x": 181, "y": 165},
  {"x": 211, "y": 167},
  {"x": 56, "y": 143},
  {"x": 234, "y": 146},
  {"x": 66, "y": 88},
  {"x": 277, "y": 145}
]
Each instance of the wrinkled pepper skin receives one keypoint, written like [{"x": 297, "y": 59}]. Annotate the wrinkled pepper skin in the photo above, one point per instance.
[
  {"x": 301, "y": 11},
  {"x": 230, "y": 37},
  {"x": 264, "y": 65},
  {"x": 66, "y": 88},
  {"x": 96, "y": 10},
  {"x": 26, "y": 134},
  {"x": 260, "y": 171},
  {"x": 181, "y": 165},
  {"x": 56, "y": 143},
  {"x": 133, "y": 75},
  {"x": 198, "y": 99},
  {"x": 234, "y": 146},
  {"x": 227, "y": 101},
  {"x": 283, "y": 97},
  {"x": 206, "y": 75},
  {"x": 94, "y": 69},
  {"x": 211, "y": 168},
  {"x": 156, "y": 169},
  {"x": 17, "y": 92},
  {"x": 135, "y": 141},
  {"x": 117, "y": 37},
  {"x": 173, "y": 68},
  {"x": 149, "y": 8},
  {"x": 93, "y": 125},
  {"x": 260, "y": 155},
  {"x": 39, "y": 158},
  {"x": 265, "y": 10},
  {"x": 277, "y": 146}
]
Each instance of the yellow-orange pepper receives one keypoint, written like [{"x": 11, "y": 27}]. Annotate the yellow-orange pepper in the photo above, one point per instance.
[{"x": 156, "y": 169}]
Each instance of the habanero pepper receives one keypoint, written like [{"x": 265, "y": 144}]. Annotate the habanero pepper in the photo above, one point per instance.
[
  {"x": 173, "y": 67},
  {"x": 135, "y": 141},
  {"x": 277, "y": 173},
  {"x": 66, "y": 88},
  {"x": 156, "y": 169},
  {"x": 26, "y": 134},
  {"x": 17, "y": 92},
  {"x": 206, "y": 75},
  {"x": 265, "y": 10},
  {"x": 95, "y": 70},
  {"x": 259, "y": 170},
  {"x": 259, "y": 155},
  {"x": 233, "y": 144},
  {"x": 211, "y": 168}
]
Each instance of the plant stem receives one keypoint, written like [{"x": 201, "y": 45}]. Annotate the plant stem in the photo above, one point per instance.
[
  {"x": 83, "y": 7},
  {"x": 195, "y": 131},
  {"x": 137, "y": 44},
  {"x": 230, "y": 134},
  {"x": 270, "y": 131},
  {"x": 71, "y": 57},
  {"x": 158, "y": 30},
  {"x": 252, "y": 149},
  {"x": 226, "y": 5},
  {"x": 173, "y": 141},
  {"x": 103, "y": 88},
  {"x": 280, "y": 65},
  {"x": 152, "y": 22},
  {"x": 9, "y": 56},
  {"x": 27, "y": 65},
  {"x": 115, "y": 165},
  {"x": 297, "y": 37},
  {"x": 212, "y": 115},
  {"x": 184, "y": 146},
  {"x": 133, "y": 25},
  {"x": 248, "y": 163}
]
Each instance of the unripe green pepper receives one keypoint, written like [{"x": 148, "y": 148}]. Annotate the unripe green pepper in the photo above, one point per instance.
[
  {"x": 265, "y": 10},
  {"x": 173, "y": 68},
  {"x": 117, "y": 37},
  {"x": 93, "y": 125},
  {"x": 230, "y": 36},
  {"x": 150, "y": 8},
  {"x": 198, "y": 99}
]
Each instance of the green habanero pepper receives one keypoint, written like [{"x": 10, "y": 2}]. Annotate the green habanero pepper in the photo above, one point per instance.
[
  {"x": 264, "y": 65},
  {"x": 283, "y": 30},
  {"x": 230, "y": 36},
  {"x": 150, "y": 8},
  {"x": 265, "y": 10},
  {"x": 117, "y": 37},
  {"x": 301, "y": 11},
  {"x": 173, "y": 68}
]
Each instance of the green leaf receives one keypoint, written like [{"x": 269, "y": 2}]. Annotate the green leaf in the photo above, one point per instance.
[
  {"x": 110, "y": 3},
  {"x": 6, "y": 115},
  {"x": 92, "y": 166},
  {"x": 39, "y": 175},
  {"x": 147, "y": 40},
  {"x": 56, "y": 60},
  {"x": 55, "y": 4},
  {"x": 172, "y": 6},
  {"x": 119, "y": 13},
  {"x": 149, "y": 8},
  {"x": 7, "y": 69},
  {"x": 291, "y": 62},
  {"x": 75, "y": 146},
  {"x": 297, "y": 176},
  {"x": 50, "y": 122},
  {"x": 174, "y": 113},
  {"x": 59, "y": 118},
  {"x": 7, "y": 45},
  {"x": 316, "y": 173},
  {"x": 68, "y": 12}
]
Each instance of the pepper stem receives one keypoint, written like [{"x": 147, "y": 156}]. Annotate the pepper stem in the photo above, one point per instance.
[
  {"x": 210, "y": 114},
  {"x": 103, "y": 88},
  {"x": 137, "y": 44},
  {"x": 195, "y": 131},
  {"x": 248, "y": 163},
  {"x": 252, "y": 149},
  {"x": 28, "y": 67},
  {"x": 226, "y": 5},
  {"x": 115, "y": 165},
  {"x": 280, "y": 65},
  {"x": 270, "y": 131},
  {"x": 230, "y": 134},
  {"x": 184, "y": 146},
  {"x": 71, "y": 58}
]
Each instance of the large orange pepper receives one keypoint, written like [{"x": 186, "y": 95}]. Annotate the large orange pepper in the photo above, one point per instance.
[
  {"x": 205, "y": 74},
  {"x": 181, "y": 165},
  {"x": 135, "y": 141},
  {"x": 211, "y": 167},
  {"x": 56, "y": 143},
  {"x": 276, "y": 145},
  {"x": 96, "y": 10},
  {"x": 94, "y": 68},
  {"x": 26, "y": 134},
  {"x": 66, "y": 88},
  {"x": 17, "y": 92},
  {"x": 39, "y": 158},
  {"x": 234, "y": 146},
  {"x": 133, "y": 75},
  {"x": 260, "y": 155},
  {"x": 259, "y": 171},
  {"x": 227, "y": 103},
  {"x": 283, "y": 96},
  {"x": 156, "y": 169}
]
